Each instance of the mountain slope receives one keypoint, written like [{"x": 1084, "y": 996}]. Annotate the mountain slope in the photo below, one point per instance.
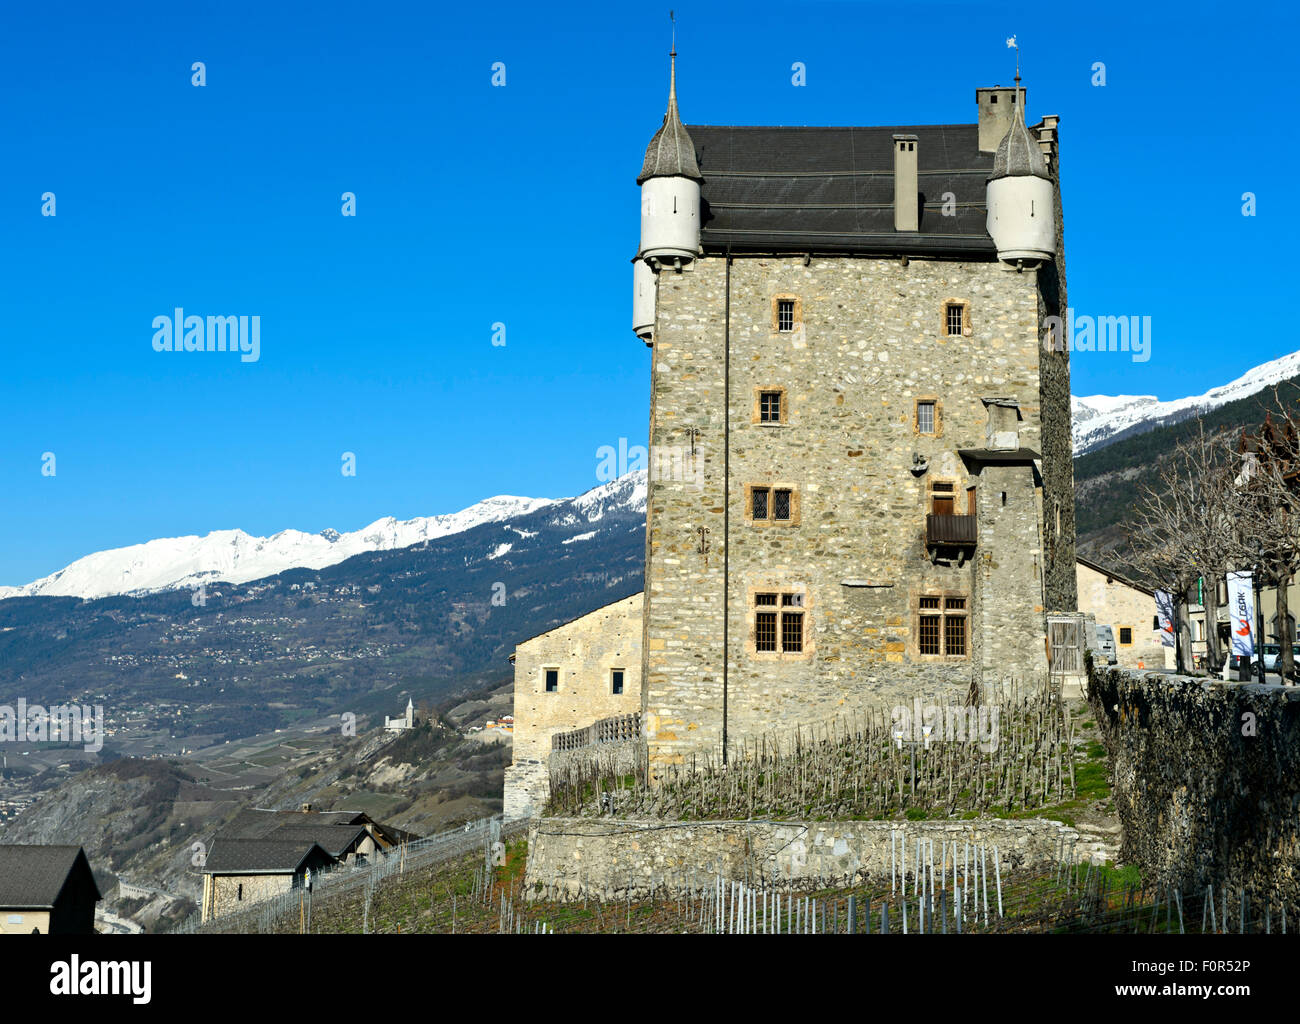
[
  {"x": 1101, "y": 420},
  {"x": 233, "y": 556},
  {"x": 435, "y": 617}
]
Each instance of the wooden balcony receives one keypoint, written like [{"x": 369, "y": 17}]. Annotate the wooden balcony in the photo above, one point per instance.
[{"x": 950, "y": 531}]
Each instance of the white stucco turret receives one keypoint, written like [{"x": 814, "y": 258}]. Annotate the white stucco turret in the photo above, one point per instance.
[
  {"x": 1021, "y": 198},
  {"x": 643, "y": 301},
  {"x": 670, "y": 191}
]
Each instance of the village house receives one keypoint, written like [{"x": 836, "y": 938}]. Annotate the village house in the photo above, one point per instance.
[
  {"x": 46, "y": 890},
  {"x": 1129, "y": 609},
  {"x": 263, "y": 853}
]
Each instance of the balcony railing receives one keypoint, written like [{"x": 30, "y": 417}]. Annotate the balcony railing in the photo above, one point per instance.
[{"x": 952, "y": 531}]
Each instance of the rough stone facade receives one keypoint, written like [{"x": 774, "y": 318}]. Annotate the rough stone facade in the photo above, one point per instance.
[
  {"x": 870, "y": 343},
  {"x": 568, "y": 857},
  {"x": 1206, "y": 779},
  {"x": 226, "y": 894},
  {"x": 584, "y": 652}
]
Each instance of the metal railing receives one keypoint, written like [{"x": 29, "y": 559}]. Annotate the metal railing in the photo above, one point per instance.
[{"x": 445, "y": 846}]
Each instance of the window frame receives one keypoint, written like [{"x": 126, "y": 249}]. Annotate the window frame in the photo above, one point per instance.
[
  {"x": 771, "y": 490},
  {"x": 789, "y": 602},
  {"x": 782, "y": 406},
  {"x": 546, "y": 670},
  {"x": 622, "y": 681},
  {"x": 938, "y": 416},
  {"x": 967, "y": 328},
  {"x": 945, "y": 615},
  {"x": 796, "y": 313}
]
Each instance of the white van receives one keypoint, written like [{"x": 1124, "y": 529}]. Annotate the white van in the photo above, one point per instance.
[{"x": 1106, "y": 641}]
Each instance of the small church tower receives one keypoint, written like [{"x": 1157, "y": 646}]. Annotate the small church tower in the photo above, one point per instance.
[
  {"x": 670, "y": 208},
  {"x": 1021, "y": 197}
]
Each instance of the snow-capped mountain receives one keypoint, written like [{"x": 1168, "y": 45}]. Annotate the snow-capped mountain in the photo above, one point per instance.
[
  {"x": 233, "y": 556},
  {"x": 1100, "y": 420}
]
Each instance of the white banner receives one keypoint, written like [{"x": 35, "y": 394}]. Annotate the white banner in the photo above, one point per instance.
[
  {"x": 1241, "y": 610},
  {"x": 1165, "y": 611}
]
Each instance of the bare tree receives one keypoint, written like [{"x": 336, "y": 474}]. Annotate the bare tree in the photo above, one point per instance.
[
  {"x": 1269, "y": 507},
  {"x": 1187, "y": 525}
]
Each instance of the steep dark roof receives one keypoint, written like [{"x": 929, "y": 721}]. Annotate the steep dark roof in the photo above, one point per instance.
[
  {"x": 256, "y": 823},
  {"x": 336, "y": 840},
  {"x": 771, "y": 189},
  {"x": 261, "y": 856},
  {"x": 31, "y": 877},
  {"x": 1018, "y": 154},
  {"x": 671, "y": 152}
]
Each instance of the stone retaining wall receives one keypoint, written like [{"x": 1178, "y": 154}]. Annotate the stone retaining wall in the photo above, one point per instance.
[
  {"x": 612, "y": 859},
  {"x": 1206, "y": 778}
]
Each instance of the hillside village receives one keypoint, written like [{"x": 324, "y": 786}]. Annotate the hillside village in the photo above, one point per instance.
[{"x": 847, "y": 615}]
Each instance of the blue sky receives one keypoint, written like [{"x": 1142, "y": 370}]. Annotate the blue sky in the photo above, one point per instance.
[{"x": 518, "y": 205}]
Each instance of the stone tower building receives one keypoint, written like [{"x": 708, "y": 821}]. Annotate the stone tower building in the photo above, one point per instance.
[{"x": 860, "y": 470}]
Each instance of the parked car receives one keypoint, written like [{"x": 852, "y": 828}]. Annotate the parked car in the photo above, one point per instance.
[
  {"x": 1271, "y": 652},
  {"x": 1106, "y": 642}
]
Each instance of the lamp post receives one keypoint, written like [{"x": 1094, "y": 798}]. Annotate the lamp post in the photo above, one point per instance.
[{"x": 1257, "y": 580}]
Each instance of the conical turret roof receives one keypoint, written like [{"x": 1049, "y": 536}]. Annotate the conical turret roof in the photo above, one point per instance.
[
  {"x": 1018, "y": 153},
  {"x": 671, "y": 153}
]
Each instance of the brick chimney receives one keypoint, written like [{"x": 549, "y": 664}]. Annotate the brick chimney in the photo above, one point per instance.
[{"x": 906, "y": 214}]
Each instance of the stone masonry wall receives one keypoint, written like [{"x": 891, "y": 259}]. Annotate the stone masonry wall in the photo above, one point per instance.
[
  {"x": 613, "y": 859},
  {"x": 585, "y": 651},
  {"x": 1206, "y": 779},
  {"x": 871, "y": 342}
]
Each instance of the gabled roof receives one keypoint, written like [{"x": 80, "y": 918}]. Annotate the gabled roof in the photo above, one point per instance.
[
  {"x": 1112, "y": 574},
  {"x": 262, "y": 856},
  {"x": 789, "y": 189},
  {"x": 31, "y": 877},
  {"x": 258, "y": 823},
  {"x": 336, "y": 840}
]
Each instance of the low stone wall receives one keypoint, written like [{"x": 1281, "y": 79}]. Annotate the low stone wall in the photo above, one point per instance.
[
  {"x": 1206, "y": 778},
  {"x": 606, "y": 858}
]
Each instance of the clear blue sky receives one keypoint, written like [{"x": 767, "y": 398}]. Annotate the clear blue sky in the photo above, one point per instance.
[{"x": 518, "y": 205}]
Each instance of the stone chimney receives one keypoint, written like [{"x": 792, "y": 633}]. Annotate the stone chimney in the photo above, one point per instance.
[
  {"x": 906, "y": 214},
  {"x": 996, "y": 107}
]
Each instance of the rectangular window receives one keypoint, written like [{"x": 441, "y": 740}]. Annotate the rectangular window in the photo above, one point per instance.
[
  {"x": 1126, "y": 635},
  {"x": 785, "y": 315},
  {"x": 769, "y": 407},
  {"x": 616, "y": 680},
  {"x": 942, "y": 627},
  {"x": 792, "y": 632},
  {"x": 781, "y": 506},
  {"x": 956, "y": 316},
  {"x": 779, "y": 623},
  {"x": 759, "y": 502},
  {"x": 925, "y": 417},
  {"x": 552, "y": 680},
  {"x": 954, "y": 628},
  {"x": 929, "y": 634}
]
